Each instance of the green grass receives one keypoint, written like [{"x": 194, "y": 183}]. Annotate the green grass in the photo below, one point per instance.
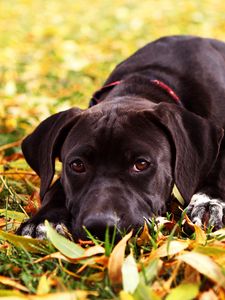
[{"x": 53, "y": 55}]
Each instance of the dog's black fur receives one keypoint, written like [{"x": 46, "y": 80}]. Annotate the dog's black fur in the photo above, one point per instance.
[{"x": 122, "y": 156}]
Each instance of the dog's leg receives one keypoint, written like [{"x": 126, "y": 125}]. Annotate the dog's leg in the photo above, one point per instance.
[
  {"x": 207, "y": 206},
  {"x": 53, "y": 209}
]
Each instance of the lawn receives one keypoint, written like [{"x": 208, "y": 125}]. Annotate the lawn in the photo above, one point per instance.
[{"x": 53, "y": 55}]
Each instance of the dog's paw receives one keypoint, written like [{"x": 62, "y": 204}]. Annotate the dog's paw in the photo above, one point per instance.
[
  {"x": 204, "y": 210},
  {"x": 38, "y": 231}
]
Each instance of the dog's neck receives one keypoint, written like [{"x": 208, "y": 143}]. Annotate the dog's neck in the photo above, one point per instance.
[{"x": 138, "y": 86}]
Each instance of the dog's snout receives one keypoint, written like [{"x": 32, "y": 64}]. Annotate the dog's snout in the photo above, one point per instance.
[{"x": 97, "y": 224}]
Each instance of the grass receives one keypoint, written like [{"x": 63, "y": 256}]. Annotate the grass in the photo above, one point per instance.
[{"x": 54, "y": 55}]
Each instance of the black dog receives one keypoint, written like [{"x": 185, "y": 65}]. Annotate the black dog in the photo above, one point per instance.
[{"x": 158, "y": 121}]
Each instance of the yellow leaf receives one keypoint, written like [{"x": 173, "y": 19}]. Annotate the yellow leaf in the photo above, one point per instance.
[
  {"x": 57, "y": 255},
  {"x": 208, "y": 295},
  {"x": 204, "y": 265},
  {"x": 150, "y": 270},
  {"x": 96, "y": 277},
  {"x": 10, "y": 282},
  {"x": 74, "y": 295},
  {"x": 144, "y": 237},
  {"x": 126, "y": 296},
  {"x": 144, "y": 292},
  {"x": 43, "y": 286},
  {"x": 12, "y": 214},
  {"x": 65, "y": 246},
  {"x": 31, "y": 245},
  {"x": 170, "y": 248},
  {"x": 94, "y": 251},
  {"x": 200, "y": 236},
  {"x": 220, "y": 232},
  {"x": 186, "y": 291},
  {"x": 130, "y": 274},
  {"x": 116, "y": 260}
]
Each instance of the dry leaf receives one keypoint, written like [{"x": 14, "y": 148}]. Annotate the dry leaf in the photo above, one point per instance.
[
  {"x": 116, "y": 260},
  {"x": 205, "y": 265},
  {"x": 10, "y": 282},
  {"x": 200, "y": 235},
  {"x": 74, "y": 295},
  {"x": 130, "y": 274},
  {"x": 208, "y": 295},
  {"x": 170, "y": 248},
  {"x": 43, "y": 286},
  {"x": 145, "y": 237}
]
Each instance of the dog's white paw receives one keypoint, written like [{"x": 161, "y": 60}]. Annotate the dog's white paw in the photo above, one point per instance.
[
  {"x": 205, "y": 210},
  {"x": 39, "y": 231}
]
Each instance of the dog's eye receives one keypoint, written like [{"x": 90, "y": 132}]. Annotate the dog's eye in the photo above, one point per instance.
[
  {"x": 78, "y": 166},
  {"x": 141, "y": 165}
]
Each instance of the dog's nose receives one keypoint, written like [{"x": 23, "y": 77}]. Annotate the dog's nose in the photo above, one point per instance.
[{"x": 97, "y": 224}]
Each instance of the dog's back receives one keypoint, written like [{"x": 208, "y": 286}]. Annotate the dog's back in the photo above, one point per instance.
[{"x": 193, "y": 67}]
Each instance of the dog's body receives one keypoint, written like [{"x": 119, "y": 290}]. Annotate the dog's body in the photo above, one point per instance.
[{"x": 158, "y": 121}]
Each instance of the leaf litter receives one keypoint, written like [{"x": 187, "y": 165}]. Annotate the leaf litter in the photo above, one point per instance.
[{"x": 47, "y": 67}]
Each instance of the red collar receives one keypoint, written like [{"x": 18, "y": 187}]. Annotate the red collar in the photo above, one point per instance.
[{"x": 96, "y": 96}]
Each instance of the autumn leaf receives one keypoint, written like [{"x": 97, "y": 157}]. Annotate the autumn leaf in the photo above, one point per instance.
[
  {"x": 43, "y": 285},
  {"x": 29, "y": 244},
  {"x": 170, "y": 248},
  {"x": 126, "y": 296},
  {"x": 150, "y": 270},
  {"x": 10, "y": 282},
  {"x": 116, "y": 260},
  {"x": 65, "y": 246},
  {"x": 205, "y": 265},
  {"x": 183, "y": 291},
  {"x": 200, "y": 235},
  {"x": 130, "y": 274},
  {"x": 145, "y": 237},
  {"x": 12, "y": 214},
  {"x": 144, "y": 292}
]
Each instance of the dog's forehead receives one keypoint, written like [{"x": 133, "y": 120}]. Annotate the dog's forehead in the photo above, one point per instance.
[{"x": 114, "y": 129}]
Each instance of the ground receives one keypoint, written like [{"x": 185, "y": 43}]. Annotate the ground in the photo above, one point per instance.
[{"x": 53, "y": 55}]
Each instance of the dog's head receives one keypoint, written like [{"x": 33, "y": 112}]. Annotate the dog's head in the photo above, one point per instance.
[{"x": 121, "y": 159}]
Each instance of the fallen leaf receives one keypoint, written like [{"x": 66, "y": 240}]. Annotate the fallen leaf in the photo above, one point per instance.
[
  {"x": 65, "y": 246},
  {"x": 205, "y": 265},
  {"x": 33, "y": 203},
  {"x": 150, "y": 270},
  {"x": 144, "y": 292},
  {"x": 57, "y": 255},
  {"x": 10, "y": 282},
  {"x": 125, "y": 296},
  {"x": 186, "y": 291},
  {"x": 91, "y": 251},
  {"x": 145, "y": 237},
  {"x": 211, "y": 250},
  {"x": 10, "y": 293},
  {"x": 12, "y": 214},
  {"x": 116, "y": 260},
  {"x": 74, "y": 295},
  {"x": 191, "y": 275},
  {"x": 43, "y": 286},
  {"x": 3, "y": 222},
  {"x": 29, "y": 244},
  {"x": 208, "y": 295},
  {"x": 96, "y": 277},
  {"x": 130, "y": 274},
  {"x": 200, "y": 236},
  {"x": 220, "y": 232},
  {"x": 170, "y": 248}
]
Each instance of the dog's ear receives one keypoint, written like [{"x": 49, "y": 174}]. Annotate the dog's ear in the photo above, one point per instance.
[
  {"x": 41, "y": 147},
  {"x": 196, "y": 142}
]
